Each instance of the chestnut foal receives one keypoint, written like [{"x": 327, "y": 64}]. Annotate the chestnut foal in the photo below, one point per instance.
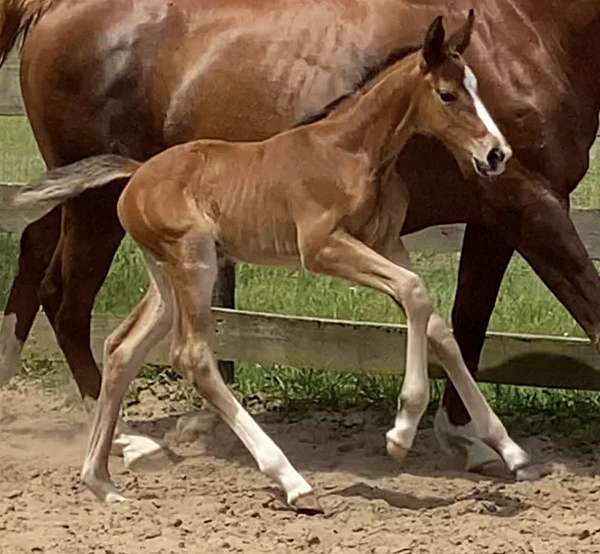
[{"x": 319, "y": 196}]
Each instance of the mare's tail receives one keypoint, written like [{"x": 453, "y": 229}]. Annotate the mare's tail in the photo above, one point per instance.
[{"x": 58, "y": 185}]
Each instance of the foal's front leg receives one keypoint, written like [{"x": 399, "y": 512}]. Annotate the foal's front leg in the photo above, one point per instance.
[
  {"x": 341, "y": 255},
  {"x": 490, "y": 429}
]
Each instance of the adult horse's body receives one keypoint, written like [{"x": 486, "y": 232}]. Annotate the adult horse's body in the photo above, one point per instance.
[{"x": 134, "y": 77}]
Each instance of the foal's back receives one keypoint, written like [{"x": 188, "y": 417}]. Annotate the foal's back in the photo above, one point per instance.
[{"x": 249, "y": 196}]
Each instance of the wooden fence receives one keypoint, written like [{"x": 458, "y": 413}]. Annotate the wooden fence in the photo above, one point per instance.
[{"x": 507, "y": 358}]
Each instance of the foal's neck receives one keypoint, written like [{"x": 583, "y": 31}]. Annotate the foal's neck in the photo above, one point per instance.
[{"x": 379, "y": 120}]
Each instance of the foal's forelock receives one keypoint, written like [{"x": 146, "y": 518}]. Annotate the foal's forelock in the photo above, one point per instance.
[{"x": 470, "y": 83}]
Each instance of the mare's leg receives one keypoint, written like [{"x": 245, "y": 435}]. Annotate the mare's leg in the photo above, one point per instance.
[
  {"x": 192, "y": 355},
  {"x": 38, "y": 242},
  {"x": 90, "y": 236},
  {"x": 125, "y": 351},
  {"x": 480, "y": 275},
  {"x": 224, "y": 297}
]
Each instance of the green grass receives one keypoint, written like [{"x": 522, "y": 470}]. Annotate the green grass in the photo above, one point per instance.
[{"x": 524, "y": 305}]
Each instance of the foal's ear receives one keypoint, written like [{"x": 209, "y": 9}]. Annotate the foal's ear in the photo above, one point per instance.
[
  {"x": 434, "y": 49},
  {"x": 461, "y": 38}
]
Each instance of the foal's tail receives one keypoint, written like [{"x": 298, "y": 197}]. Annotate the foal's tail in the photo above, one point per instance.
[{"x": 58, "y": 185}]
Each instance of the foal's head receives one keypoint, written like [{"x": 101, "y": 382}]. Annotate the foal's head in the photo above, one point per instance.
[{"x": 450, "y": 108}]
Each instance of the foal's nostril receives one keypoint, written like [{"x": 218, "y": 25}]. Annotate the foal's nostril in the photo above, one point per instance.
[{"x": 495, "y": 157}]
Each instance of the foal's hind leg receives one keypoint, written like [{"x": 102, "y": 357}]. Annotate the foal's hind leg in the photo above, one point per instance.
[
  {"x": 90, "y": 236},
  {"x": 125, "y": 353},
  {"x": 192, "y": 282}
]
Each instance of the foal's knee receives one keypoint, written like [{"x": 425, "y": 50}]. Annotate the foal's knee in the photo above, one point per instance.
[
  {"x": 441, "y": 337},
  {"x": 413, "y": 295}
]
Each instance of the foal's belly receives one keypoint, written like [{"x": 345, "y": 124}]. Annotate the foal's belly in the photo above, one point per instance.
[
  {"x": 255, "y": 226},
  {"x": 278, "y": 248}
]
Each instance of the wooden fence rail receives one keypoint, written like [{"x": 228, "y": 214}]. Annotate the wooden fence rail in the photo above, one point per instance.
[{"x": 327, "y": 344}]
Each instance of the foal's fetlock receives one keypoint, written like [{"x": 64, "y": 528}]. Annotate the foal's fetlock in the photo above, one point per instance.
[
  {"x": 307, "y": 504},
  {"x": 102, "y": 487},
  {"x": 515, "y": 458},
  {"x": 399, "y": 442}
]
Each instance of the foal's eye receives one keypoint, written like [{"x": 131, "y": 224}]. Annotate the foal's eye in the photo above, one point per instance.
[{"x": 447, "y": 97}]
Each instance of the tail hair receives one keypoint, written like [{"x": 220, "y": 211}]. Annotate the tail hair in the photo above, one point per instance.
[{"x": 63, "y": 183}]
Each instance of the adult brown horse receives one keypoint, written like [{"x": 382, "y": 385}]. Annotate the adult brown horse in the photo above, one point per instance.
[{"x": 131, "y": 78}]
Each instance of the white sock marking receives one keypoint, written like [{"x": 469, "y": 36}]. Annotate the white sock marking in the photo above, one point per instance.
[{"x": 138, "y": 451}]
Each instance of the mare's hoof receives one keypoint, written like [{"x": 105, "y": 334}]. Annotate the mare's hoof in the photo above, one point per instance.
[{"x": 308, "y": 505}]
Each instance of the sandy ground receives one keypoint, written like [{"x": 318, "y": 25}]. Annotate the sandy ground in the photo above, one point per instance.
[{"x": 215, "y": 500}]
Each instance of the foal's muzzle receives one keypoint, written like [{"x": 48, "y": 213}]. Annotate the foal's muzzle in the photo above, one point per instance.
[{"x": 494, "y": 163}]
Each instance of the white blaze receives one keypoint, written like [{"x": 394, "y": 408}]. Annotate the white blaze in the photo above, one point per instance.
[{"x": 470, "y": 82}]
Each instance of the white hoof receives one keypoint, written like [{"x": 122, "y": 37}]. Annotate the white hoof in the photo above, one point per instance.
[
  {"x": 300, "y": 490},
  {"x": 531, "y": 473},
  {"x": 141, "y": 453},
  {"x": 480, "y": 456},
  {"x": 463, "y": 439},
  {"x": 115, "y": 498},
  {"x": 398, "y": 442},
  {"x": 516, "y": 458}
]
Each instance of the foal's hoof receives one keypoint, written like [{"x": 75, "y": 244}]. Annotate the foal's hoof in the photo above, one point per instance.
[
  {"x": 115, "y": 498},
  {"x": 103, "y": 489},
  {"x": 516, "y": 458},
  {"x": 308, "y": 505},
  {"x": 531, "y": 473},
  {"x": 396, "y": 451}
]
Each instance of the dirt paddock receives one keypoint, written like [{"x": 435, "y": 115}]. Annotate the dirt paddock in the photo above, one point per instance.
[{"x": 214, "y": 499}]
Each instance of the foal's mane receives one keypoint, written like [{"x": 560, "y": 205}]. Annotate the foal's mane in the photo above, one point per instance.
[
  {"x": 369, "y": 74},
  {"x": 19, "y": 18}
]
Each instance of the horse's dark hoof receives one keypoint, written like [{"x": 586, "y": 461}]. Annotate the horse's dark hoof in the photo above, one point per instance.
[{"x": 308, "y": 505}]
